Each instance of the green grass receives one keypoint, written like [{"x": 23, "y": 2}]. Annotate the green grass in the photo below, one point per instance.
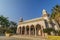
[{"x": 53, "y": 38}]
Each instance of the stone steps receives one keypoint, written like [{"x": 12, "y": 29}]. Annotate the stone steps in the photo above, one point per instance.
[{"x": 29, "y": 37}]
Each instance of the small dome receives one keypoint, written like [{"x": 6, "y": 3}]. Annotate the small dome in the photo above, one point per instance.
[
  {"x": 44, "y": 11},
  {"x": 21, "y": 19}
]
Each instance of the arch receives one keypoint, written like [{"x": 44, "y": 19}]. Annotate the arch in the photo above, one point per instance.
[
  {"x": 32, "y": 27},
  {"x": 27, "y": 29},
  {"x": 20, "y": 29},
  {"x": 38, "y": 28},
  {"x": 32, "y": 30},
  {"x": 23, "y": 29},
  {"x": 27, "y": 26}
]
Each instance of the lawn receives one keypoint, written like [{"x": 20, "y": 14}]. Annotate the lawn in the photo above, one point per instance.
[{"x": 53, "y": 38}]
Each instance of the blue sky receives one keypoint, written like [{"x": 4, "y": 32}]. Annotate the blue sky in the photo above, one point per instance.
[{"x": 28, "y": 9}]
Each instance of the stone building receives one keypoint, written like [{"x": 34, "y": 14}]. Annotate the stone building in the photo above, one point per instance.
[{"x": 36, "y": 26}]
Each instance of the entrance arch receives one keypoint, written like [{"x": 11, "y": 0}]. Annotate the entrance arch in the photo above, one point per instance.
[
  {"x": 38, "y": 29},
  {"x": 27, "y": 29},
  {"x": 23, "y": 29},
  {"x": 32, "y": 29},
  {"x": 20, "y": 30}
]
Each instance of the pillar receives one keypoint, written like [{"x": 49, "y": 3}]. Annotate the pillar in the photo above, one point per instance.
[
  {"x": 35, "y": 31},
  {"x": 29, "y": 30},
  {"x": 18, "y": 31},
  {"x": 21, "y": 30},
  {"x": 42, "y": 31},
  {"x": 25, "y": 31}
]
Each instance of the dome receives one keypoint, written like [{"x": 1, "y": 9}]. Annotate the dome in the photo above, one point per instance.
[
  {"x": 44, "y": 11},
  {"x": 21, "y": 19}
]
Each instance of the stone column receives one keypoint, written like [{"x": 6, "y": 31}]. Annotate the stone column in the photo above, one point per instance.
[
  {"x": 35, "y": 31},
  {"x": 29, "y": 30},
  {"x": 25, "y": 31},
  {"x": 21, "y": 30},
  {"x": 18, "y": 31},
  {"x": 42, "y": 31}
]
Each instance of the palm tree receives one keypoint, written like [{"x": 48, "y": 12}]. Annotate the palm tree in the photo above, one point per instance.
[
  {"x": 56, "y": 14},
  {"x": 13, "y": 26}
]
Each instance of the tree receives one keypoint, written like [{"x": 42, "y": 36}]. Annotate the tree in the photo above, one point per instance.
[
  {"x": 48, "y": 30},
  {"x": 56, "y": 14},
  {"x": 13, "y": 26},
  {"x": 4, "y": 22},
  {"x": 6, "y": 25}
]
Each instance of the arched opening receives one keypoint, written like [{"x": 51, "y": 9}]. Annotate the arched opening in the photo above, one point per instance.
[
  {"x": 27, "y": 29},
  {"x": 23, "y": 30},
  {"x": 32, "y": 30},
  {"x": 38, "y": 30},
  {"x": 20, "y": 29}
]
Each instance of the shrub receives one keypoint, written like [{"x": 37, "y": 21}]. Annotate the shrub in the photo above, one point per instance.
[
  {"x": 9, "y": 31},
  {"x": 48, "y": 30}
]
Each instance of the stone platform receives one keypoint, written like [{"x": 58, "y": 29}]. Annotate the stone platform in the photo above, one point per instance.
[
  {"x": 20, "y": 37},
  {"x": 31, "y": 37}
]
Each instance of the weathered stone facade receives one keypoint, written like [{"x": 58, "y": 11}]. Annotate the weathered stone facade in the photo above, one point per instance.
[{"x": 36, "y": 26}]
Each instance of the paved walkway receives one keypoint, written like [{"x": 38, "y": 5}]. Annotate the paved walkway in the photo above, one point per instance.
[
  {"x": 30, "y": 37},
  {"x": 19, "y": 37},
  {"x": 8, "y": 38}
]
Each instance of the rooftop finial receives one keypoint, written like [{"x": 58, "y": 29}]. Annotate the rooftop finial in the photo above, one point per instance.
[
  {"x": 44, "y": 11},
  {"x": 21, "y": 19}
]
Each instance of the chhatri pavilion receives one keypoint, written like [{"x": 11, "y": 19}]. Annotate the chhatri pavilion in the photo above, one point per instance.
[{"x": 35, "y": 26}]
